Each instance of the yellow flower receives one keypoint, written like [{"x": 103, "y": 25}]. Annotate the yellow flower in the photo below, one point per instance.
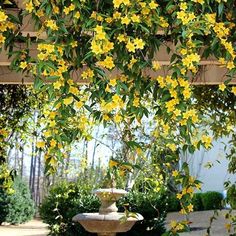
[
  {"x": 67, "y": 10},
  {"x": 106, "y": 117},
  {"x": 161, "y": 81},
  {"x": 156, "y": 65},
  {"x": 117, "y": 118},
  {"x": 177, "y": 112},
  {"x": 52, "y": 123},
  {"x": 153, "y": 5},
  {"x": 230, "y": 65},
  {"x": 57, "y": 84},
  {"x": 228, "y": 227},
  {"x": 68, "y": 101},
  {"x": 139, "y": 43},
  {"x": 53, "y": 143},
  {"x": 116, "y": 15},
  {"x": 107, "y": 63},
  {"x": 121, "y": 38},
  {"x": 51, "y": 24},
  {"x": 100, "y": 34},
  {"x": 136, "y": 102},
  {"x": 183, "y": 51},
  {"x": 74, "y": 44},
  {"x": 3, "y": 16},
  {"x": 183, "y": 6},
  {"x": 222, "y": 87},
  {"x": 113, "y": 163},
  {"x": 175, "y": 173},
  {"x": 125, "y": 20},
  {"x": 47, "y": 133},
  {"x": 179, "y": 195},
  {"x": 135, "y": 18},
  {"x": 173, "y": 224},
  {"x": 40, "y": 144},
  {"x": 199, "y": 1},
  {"x": 190, "y": 207},
  {"x": 2, "y": 38},
  {"x": 183, "y": 212},
  {"x": 52, "y": 115},
  {"x": 130, "y": 46},
  {"x": 79, "y": 104},
  {"x": 233, "y": 90},
  {"x": 189, "y": 190},
  {"x": 190, "y": 59},
  {"x": 172, "y": 146},
  {"x": 29, "y": 7},
  {"x": 23, "y": 65},
  {"x": 96, "y": 48},
  {"x": 117, "y": 3},
  {"x": 113, "y": 82},
  {"x": 207, "y": 140},
  {"x": 53, "y": 161},
  {"x": 187, "y": 93},
  {"x": 73, "y": 90},
  {"x": 77, "y": 15},
  {"x": 107, "y": 89}
]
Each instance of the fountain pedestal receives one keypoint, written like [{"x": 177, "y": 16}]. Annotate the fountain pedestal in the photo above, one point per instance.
[{"x": 107, "y": 222}]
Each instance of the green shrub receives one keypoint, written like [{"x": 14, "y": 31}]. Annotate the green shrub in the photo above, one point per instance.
[
  {"x": 18, "y": 207},
  {"x": 212, "y": 200},
  {"x": 231, "y": 196},
  {"x": 173, "y": 204},
  {"x": 197, "y": 202},
  {"x": 3, "y": 205},
  {"x": 200, "y": 201},
  {"x": 152, "y": 206},
  {"x": 64, "y": 201}
]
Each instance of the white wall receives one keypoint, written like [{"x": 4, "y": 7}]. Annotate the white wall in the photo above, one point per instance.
[{"x": 213, "y": 178}]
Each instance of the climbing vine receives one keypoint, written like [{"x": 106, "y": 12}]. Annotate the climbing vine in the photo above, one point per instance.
[{"x": 112, "y": 47}]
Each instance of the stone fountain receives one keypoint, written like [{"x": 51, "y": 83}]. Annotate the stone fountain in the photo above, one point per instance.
[{"x": 107, "y": 222}]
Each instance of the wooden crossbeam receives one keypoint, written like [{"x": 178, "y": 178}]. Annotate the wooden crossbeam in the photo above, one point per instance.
[
  {"x": 211, "y": 72},
  {"x": 211, "y": 75}
]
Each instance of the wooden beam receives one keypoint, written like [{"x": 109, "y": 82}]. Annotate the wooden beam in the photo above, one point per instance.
[
  {"x": 211, "y": 75},
  {"x": 211, "y": 72}
]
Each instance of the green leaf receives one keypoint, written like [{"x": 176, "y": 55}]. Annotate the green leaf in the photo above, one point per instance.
[
  {"x": 38, "y": 83},
  {"x": 220, "y": 8}
]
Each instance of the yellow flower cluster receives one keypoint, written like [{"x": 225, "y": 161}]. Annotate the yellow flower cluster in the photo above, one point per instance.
[
  {"x": 51, "y": 24},
  {"x": 222, "y": 31},
  {"x": 107, "y": 63},
  {"x": 185, "y": 17},
  {"x": 6, "y": 178},
  {"x": 189, "y": 60},
  {"x": 68, "y": 9},
  {"x": 100, "y": 43},
  {"x": 190, "y": 114},
  {"x": 207, "y": 141},
  {"x": 176, "y": 226},
  {"x": 135, "y": 44},
  {"x": 87, "y": 74},
  {"x": 4, "y": 26}
]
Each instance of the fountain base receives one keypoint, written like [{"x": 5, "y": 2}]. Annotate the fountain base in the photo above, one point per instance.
[{"x": 108, "y": 221}]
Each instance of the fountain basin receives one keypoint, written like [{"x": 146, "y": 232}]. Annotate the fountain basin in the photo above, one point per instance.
[{"x": 106, "y": 223}]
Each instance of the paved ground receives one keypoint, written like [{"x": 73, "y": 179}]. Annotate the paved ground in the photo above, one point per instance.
[
  {"x": 200, "y": 222},
  {"x": 32, "y": 228}
]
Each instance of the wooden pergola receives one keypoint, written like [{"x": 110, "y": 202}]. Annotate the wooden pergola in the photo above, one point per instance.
[{"x": 211, "y": 71}]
